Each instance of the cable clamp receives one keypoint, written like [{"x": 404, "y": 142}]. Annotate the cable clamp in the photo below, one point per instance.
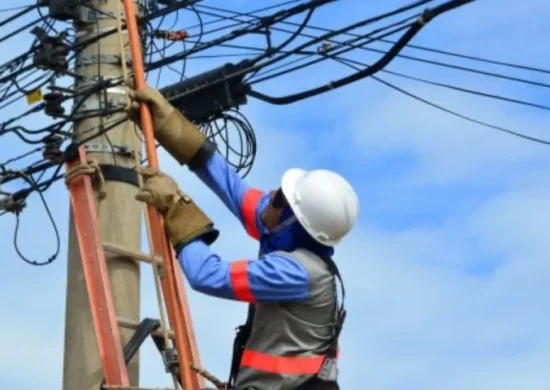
[
  {"x": 12, "y": 205},
  {"x": 112, "y": 59},
  {"x": 105, "y": 148},
  {"x": 171, "y": 360}
]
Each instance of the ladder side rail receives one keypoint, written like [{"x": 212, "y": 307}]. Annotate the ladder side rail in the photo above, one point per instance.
[
  {"x": 176, "y": 309},
  {"x": 96, "y": 276}
]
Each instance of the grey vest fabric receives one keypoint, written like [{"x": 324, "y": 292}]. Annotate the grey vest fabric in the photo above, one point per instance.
[{"x": 293, "y": 329}]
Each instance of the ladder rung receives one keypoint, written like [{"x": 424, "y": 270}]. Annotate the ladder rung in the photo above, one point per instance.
[
  {"x": 131, "y": 324},
  {"x": 139, "y": 256}
]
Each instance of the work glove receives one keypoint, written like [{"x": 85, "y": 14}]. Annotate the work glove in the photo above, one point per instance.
[
  {"x": 181, "y": 138},
  {"x": 184, "y": 220}
]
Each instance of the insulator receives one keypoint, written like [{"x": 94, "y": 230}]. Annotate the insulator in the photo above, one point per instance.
[
  {"x": 11, "y": 204},
  {"x": 52, "y": 148},
  {"x": 51, "y": 52},
  {"x": 52, "y": 104}
]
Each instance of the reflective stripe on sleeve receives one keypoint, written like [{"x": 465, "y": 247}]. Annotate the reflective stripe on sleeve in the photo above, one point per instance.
[
  {"x": 249, "y": 204},
  {"x": 238, "y": 273}
]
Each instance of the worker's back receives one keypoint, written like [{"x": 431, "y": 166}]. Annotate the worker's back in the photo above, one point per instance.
[{"x": 302, "y": 332}]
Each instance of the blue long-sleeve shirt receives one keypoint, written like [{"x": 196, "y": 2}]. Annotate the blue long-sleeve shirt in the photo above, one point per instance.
[{"x": 273, "y": 277}]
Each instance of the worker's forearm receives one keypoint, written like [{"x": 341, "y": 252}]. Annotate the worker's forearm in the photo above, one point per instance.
[
  {"x": 274, "y": 278},
  {"x": 245, "y": 202}
]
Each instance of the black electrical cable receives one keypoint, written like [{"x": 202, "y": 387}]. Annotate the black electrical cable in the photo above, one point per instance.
[
  {"x": 368, "y": 38},
  {"x": 273, "y": 19},
  {"x": 20, "y": 157},
  {"x": 49, "y": 25},
  {"x": 326, "y": 38},
  {"x": 427, "y": 16},
  {"x": 357, "y": 36},
  {"x": 201, "y": 25},
  {"x": 269, "y": 52},
  {"x": 470, "y": 70},
  {"x": 467, "y": 90},
  {"x": 424, "y": 48},
  {"x": 448, "y": 86},
  {"x": 371, "y": 37},
  {"x": 20, "y": 30},
  {"x": 24, "y": 91},
  {"x": 51, "y": 258},
  {"x": 361, "y": 23},
  {"x": 233, "y": 25},
  {"x": 48, "y": 165},
  {"x": 441, "y": 108},
  {"x": 268, "y": 74},
  {"x": 24, "y": 10},
  {"x": 469, "y": 119},
  {"x": 142, "y": 21},
  {"x": 85, "y": 94},
  {"x": 103, "y": 97},
  {"x": 242, "y": 158}
]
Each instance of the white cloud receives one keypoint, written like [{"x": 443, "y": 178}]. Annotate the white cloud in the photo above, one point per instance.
[{"x": 447, "y": 149}]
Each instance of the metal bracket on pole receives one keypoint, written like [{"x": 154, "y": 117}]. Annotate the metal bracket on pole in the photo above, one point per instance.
[
  {"x": 114, "y": 59},
  {"x": 89, "y": 15},
  {"x": 92, "y": 147},
  {"x": 109, "y": 98},
  {"x": 94, "y": 103},
  {"x": 86, "y": 14},
  {"x": 91, "y": 32}
]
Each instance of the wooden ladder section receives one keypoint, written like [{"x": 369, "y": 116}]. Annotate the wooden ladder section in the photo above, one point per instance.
[{"x": 93, "y": 257}]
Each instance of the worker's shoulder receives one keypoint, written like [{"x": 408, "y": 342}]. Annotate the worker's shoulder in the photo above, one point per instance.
[{"x": 314, "y": 264}]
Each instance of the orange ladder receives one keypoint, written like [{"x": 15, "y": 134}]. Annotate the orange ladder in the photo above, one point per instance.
[
  {"x": 94, "y": 264},
  {"x": 96, "y": 277}
]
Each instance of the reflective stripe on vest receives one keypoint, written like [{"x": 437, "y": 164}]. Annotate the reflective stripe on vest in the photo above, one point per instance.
[{"x": 286, "y": 365}]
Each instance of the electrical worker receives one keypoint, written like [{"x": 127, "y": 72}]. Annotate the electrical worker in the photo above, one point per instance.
[{"x": 290, "y": 338}]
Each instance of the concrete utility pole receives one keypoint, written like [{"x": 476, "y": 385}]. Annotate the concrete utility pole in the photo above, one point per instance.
[{"x": 119, "y": 214}]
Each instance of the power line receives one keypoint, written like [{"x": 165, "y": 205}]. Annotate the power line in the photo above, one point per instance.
[
  {"x": 441, "y": 108},
  {"x": 465, "y": 90},
  {"x": 439, "y": 51}
]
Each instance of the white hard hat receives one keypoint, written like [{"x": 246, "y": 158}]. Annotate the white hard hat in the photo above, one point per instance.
[{"x": 324, "y": 203}]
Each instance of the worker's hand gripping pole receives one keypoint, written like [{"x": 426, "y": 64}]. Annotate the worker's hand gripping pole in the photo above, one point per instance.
[{"x": 173, "y": 294}]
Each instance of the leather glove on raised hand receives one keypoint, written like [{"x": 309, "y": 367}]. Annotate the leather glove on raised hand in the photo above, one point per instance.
[
  {"x": 173, "y": 131},
  {"x": 184, "y": 220}
]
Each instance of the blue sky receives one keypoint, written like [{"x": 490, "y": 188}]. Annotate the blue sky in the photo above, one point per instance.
[{"x": 446, "y": 272}]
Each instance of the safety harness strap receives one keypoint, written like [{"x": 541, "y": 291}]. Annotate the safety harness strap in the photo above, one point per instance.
[
  {"x": 239, "y": 344},
  {"x": 341, "y": 312}
]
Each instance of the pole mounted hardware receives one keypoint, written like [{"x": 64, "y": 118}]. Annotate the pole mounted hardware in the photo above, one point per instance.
[
  {"x": 203, "y": 97},
  {"x": 52, "y": 51},
  {"x": 63, "y": 10}
]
